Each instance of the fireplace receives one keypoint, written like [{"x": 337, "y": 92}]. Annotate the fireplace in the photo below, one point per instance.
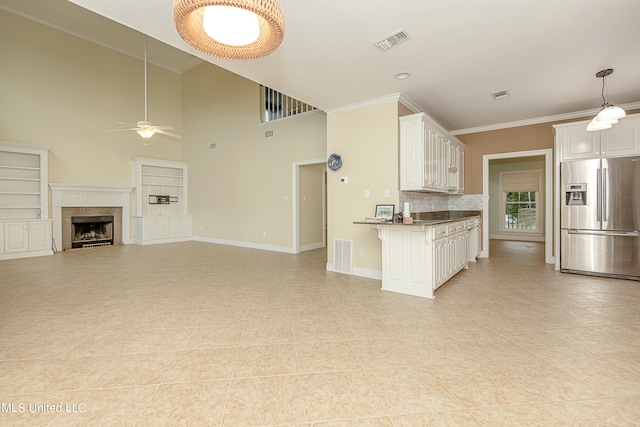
[
  {"x": 91, "y": 231},
  {"x": 75, "y": 200}
]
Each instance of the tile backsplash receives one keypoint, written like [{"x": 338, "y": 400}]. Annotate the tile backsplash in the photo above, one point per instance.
[{"x": 428, "y": 202}]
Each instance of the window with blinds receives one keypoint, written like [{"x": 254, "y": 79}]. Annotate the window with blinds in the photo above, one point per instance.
[
  {"x": 276, "y": 105},
  {"x": 520, "y": 207}
]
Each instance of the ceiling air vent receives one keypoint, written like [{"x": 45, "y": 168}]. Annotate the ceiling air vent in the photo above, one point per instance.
[
  {"x": 392, "y": 40},
  {"x": 501, "y": 94}
]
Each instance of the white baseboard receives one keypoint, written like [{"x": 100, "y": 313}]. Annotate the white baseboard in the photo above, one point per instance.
[
  {"x": 357, "y": 271},
  {"x": 312, "y": 246},
  {"x": 517, "y": 237},
  {"x": 250, "y": 245}
]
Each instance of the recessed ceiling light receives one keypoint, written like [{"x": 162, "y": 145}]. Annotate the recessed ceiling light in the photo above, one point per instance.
[{"x": 402, "y": 76}]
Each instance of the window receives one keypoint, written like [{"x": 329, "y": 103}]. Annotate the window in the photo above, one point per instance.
[
  {"x": 520, "y": 207},
  {"x": 520, "y": 210},
  {"x": 276, "y": 105}
]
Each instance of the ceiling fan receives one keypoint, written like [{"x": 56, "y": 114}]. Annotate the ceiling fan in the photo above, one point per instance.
[{"x": 145, "y": 128}]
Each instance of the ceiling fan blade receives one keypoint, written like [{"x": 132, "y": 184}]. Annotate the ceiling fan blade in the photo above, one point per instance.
[
  {"x": 119, "y": 130},
  {"x": 163, "y": 132},
  {"x": 165, "y": 127},
  {"x": 125, "y": 124}
]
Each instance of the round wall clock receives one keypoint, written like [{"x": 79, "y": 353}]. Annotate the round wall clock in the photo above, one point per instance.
[{"x": 334, "y": 162}]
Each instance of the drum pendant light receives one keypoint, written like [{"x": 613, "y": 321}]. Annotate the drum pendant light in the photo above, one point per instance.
[{"x": 230, "y": 29}]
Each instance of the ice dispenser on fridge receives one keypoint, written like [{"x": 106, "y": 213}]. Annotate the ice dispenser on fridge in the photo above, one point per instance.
[{"x": 576, "y": 194}]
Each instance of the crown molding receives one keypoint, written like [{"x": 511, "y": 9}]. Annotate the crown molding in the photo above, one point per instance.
[
  {"x": 365, "y": 104},
  {"x": 538, "y": 120}
]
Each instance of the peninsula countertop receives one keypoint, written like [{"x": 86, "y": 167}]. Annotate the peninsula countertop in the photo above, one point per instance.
[{"x": 430, "y": 218}]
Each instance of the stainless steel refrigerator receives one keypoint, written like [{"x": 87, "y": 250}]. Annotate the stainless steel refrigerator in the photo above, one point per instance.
[{"x": 600, "y": 217}]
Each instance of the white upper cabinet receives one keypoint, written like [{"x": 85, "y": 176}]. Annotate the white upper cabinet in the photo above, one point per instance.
[
  {"x": 623, "y": 139},
  {"x": 431, "y": 159}
]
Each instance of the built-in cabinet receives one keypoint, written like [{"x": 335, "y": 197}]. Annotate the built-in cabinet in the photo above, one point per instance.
[
  {"x": 418, "y": 259},
  {"x": 25, "y": 229},
  {"x": 623, "y": 139},
  {"x": 160, "y": 201},
  {"x": 431, "y": 159}
]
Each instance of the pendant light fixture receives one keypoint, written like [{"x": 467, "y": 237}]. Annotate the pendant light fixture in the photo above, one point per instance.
[
  {"x": 609, "y": 114},
  {"x": 230, "y": 29}
]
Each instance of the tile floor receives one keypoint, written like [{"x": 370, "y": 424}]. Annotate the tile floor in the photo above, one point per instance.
[{"x": 197, "y": 334}]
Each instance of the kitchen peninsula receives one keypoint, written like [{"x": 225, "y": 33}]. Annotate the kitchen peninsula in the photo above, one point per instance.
[{"x": 420, "y": 257}]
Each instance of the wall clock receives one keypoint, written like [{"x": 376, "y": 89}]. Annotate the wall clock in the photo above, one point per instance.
[{"x": 334, "y": 162}]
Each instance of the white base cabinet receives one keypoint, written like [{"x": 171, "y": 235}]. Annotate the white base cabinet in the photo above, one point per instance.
[
  {"x": 418, "y": 259},
  {"x": 161, "y": 229},
  {"x": 21, "y": 239}
]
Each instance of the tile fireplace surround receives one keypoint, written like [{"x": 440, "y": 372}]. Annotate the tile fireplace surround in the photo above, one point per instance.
[{"x": 85, "y": 197}]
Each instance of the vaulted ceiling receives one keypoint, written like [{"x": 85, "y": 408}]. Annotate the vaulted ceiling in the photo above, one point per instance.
[{"x": 545, "y": 53}]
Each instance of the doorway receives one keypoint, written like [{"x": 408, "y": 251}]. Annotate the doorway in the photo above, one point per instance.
[
  {"x": 309, "y": 198},
  {"x": 548, "y": 198}
]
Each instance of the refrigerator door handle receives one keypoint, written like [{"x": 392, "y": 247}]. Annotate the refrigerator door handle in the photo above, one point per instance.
[
  {"x": 604, "y": 233},
  {"x": 599, "y": 196},
  {"x": 605, "y": 217}
]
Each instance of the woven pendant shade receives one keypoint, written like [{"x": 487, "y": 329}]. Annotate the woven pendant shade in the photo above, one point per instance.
[{"x": 188, "y": 17}]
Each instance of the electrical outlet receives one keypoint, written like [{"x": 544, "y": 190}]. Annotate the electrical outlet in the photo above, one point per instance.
[
  {"x": 386, "y": 192},
  {"x": 367, "y": 194},
  {"x": 344, "y": 180},
  {"x": 361, "y": 252},
  {"x": 264, "y": 234}
]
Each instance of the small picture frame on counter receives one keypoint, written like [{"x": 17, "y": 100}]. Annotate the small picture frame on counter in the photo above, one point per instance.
[{"x": 385, "y": 212}]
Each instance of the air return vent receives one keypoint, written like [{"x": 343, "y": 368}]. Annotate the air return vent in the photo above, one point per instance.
[
  {"x": 392, "y": 40},
  {"x": 342, "y": 256},
  {"x": 501, "y": 94}
]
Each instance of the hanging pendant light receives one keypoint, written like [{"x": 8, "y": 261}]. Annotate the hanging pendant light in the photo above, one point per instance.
[
  {"x": 230, "y": 29},
  {"x": 609, "y": 114}
]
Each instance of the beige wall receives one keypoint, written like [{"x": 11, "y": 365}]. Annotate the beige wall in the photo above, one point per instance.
[
  {"x": 522, "y": 138},
  {"x": 367, "y": 140},
  {"x": 311, "y": 197},
  {"x": 241, "y": 191},
  {"x": 65, "y": 92}
]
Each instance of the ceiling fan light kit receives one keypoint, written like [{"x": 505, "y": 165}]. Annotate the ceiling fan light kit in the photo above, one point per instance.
[
  {"x": 145, "y": 128},
  {"x": 609, "y": 114},
  {"x": 230, "y": 29}
]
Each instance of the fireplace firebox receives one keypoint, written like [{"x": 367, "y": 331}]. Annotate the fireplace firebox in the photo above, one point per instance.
[{"x": 91, "y": 231}]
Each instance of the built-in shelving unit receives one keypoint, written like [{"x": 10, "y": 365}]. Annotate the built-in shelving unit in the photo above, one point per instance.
[
  {"x": 24, "y": 202},
  {"x": 160, "y": 201}
]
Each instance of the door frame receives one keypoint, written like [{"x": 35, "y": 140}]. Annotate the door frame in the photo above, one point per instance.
[
  {"x": 296, "y": 202},
  {"x": 548, "y": 198}
]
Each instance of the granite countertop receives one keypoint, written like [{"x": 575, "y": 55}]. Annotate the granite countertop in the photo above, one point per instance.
[{"x": 430, "y": 218}]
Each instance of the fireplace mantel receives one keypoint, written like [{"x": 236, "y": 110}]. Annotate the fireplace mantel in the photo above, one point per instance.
[{"x": 80, "y": 195}]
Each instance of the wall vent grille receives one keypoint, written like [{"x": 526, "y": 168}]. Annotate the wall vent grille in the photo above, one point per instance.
[
  {"x": 342, "y": 256},
  {"x": 392, "y": 40},
  {"x": 501, "y": 94}
]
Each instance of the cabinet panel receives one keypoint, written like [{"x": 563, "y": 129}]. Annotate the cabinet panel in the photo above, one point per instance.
[
  {"x": 621, "y": 140},
  {"x": 180, "y": 226},
  {"x": 39, "y": 235},
  {"x": 16, "y": 237}
]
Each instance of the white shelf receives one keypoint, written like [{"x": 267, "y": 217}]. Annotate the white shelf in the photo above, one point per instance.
[
  {"x": 160, "y": 222},
  {"x": 24, "y": 200}
]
